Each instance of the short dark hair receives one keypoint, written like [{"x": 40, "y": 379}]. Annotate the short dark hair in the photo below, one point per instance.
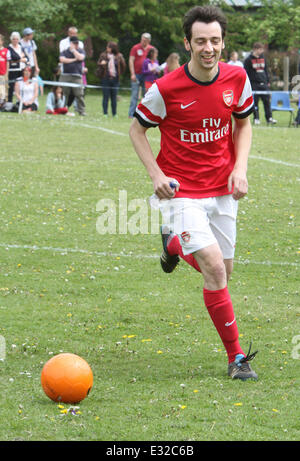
[
  {"x": 205, "y": 14},
  {"x": 257, "y": 45},
  {"x": 74, "y": 39}
]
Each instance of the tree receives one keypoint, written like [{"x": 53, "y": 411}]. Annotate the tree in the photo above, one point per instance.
[
  {"x": 278, "y": 23},
  {"x": 275, "y": 22},
  {"x": 40, "y": 15}
]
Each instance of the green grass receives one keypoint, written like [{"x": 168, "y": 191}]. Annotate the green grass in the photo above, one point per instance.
[{"x": 104, "y": 302}]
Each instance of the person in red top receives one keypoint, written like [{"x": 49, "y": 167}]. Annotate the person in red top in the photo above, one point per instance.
[
  {"x": 201, "y": 170},
  {"x": 138, "y": 54},
  {"x": 4, "y": 65}
]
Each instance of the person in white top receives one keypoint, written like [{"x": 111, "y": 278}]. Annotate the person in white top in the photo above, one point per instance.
[
  {"x": 65, "y": 42},
  {"x": 27, "y": 90},
  {"x": 234, "y": 59},
  {"x": 29, "y": 47}
]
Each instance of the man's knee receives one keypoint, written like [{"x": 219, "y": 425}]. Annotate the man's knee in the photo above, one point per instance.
[
  {"x": 212, "y": 265},
  {"x": 216, "y": 270}
]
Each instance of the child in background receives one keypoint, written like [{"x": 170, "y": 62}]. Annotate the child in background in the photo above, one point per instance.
[
  {"x": 150, "y": 68},
  {"x": 56, "y": 102},
  {"x": 172, "y": 63}
]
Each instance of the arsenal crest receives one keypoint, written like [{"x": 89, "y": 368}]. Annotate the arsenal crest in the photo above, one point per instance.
[
  {"x": 186, "y": 236},
  {"x": 228, "y": 97}
]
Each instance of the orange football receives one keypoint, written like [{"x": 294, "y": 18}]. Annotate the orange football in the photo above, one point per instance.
[{"x": 66, "y": 378}]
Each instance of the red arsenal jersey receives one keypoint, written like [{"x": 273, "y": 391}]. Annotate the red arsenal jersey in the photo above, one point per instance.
[
  {"x": 195, "y": 121},
  {"x": 4, "y": 57}
]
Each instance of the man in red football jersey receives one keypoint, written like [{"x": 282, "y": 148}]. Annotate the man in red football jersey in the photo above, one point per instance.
[{"x": 200, "y": 172}]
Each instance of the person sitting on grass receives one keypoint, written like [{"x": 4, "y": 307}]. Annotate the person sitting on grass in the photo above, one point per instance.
[
  {"x": 56, "y": 102},
  {"x": 27, "y": 90}
]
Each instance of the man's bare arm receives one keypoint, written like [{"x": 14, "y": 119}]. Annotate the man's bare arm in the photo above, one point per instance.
[
  {"x": 242, "y": 137},
  {"x": 161, "y": 183}
]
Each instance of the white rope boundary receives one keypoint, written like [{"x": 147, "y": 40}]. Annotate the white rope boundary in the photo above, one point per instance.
[
  {"x": 65, "y": 251},
  {"x": 294, "y": 92}
]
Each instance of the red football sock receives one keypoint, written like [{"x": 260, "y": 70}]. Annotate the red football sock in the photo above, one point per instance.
[
  {"x": 220, "y": 309},
  {"x": 174, "y": 248}
]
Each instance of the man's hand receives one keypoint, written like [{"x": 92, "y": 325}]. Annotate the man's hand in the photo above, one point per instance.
[
  {"x": 238, "y": 180},
  {"x": 162, "y": 187}
]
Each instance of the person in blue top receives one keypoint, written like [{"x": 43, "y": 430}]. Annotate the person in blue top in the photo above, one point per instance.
[{"x": 56, "y": 102}]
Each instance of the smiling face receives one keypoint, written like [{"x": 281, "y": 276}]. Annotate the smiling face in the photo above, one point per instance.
[{"x": 205, "y": 46}]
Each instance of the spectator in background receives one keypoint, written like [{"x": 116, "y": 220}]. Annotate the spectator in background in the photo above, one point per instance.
[
  {"x": 150, "y": 68},
  {"x": 297, "y": 119},
  {"x": 4, "y": 65},
  {"x": 65, "y": 42},
  {"x": 56, "y": 72},
  {"x": 16, "y": 64},
  {"x": 138, "y": 54},
  {"x": 72, "y": 59},
  {"x": 111, "y": 64},
  {"x": 30, "y": 48},
  {"x": 56, "y": 102},
  {"x": 84, "y": 72},
  {"x": 256, "y": 68},
  {"x": 63, "y": 46},
  {"x": 234, "y": 59},
  {"x": 172, "y": 63},
  {"x": 40, "y": 84},
  {"x": 27, "y": 91}
]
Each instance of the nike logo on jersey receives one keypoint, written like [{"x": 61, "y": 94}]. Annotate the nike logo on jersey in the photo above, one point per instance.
[
  {"x": 187, "y": 105},
  {"x": 227, "y": 324}
]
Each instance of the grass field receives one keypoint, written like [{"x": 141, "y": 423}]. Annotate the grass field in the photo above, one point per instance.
[{"x": 159, "y": 367}]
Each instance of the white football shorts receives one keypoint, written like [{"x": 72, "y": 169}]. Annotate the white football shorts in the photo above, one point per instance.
[{"x": 202, "y": 222}]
